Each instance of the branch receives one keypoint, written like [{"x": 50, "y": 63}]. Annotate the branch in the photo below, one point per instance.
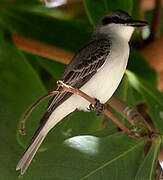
[
  {"x": 153, "y": 54},
  {"x": 31, "y": 108},
  {"x": 155, "y": 21},
  {"x": 147, "y": 4},
  {"x": 82, "y": 94},
  {"x": 42, "y": 49},
  {"x": 128, "y": 112}
]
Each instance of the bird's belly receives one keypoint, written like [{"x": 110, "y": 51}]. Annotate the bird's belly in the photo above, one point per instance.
[{"x": 104, "y": 83}]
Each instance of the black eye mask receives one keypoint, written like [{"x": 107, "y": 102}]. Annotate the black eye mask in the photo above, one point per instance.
[{"x": 116, "y": 20}]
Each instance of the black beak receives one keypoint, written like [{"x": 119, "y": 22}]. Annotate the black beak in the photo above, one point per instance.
[{"x": 137, "y": 23}]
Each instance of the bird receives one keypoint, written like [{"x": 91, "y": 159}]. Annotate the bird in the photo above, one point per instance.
[{"x": 96, "y": 69}]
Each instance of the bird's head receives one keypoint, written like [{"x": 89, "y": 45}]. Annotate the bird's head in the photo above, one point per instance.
[{"x": 118, "y": 23}]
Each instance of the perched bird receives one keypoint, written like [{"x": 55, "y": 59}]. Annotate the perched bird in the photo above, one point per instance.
[{"x": 96, "y": 69}]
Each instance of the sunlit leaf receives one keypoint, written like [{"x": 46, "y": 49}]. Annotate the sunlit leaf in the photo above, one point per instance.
[
  {"x": 90, "y": 157},
  {"x": 69, "y": 34},
  {"x": 152, "y": 96}
]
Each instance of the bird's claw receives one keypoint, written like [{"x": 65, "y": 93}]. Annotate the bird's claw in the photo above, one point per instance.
[{"x": 98, "y": 107}]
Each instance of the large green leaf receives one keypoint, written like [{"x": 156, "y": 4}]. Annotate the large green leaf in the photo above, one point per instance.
[
  {"x": 90, "y": 157},
  {"x": 96, "y": 9},
  {"x": 148, "y": 166},
  {"x": 19, "y": 87},
  {"x": 69, "y": 34},
  {"x": 152, "y": 96}
]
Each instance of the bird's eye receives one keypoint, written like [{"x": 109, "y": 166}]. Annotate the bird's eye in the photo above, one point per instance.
[
  {"x": 106, "y": 20},
  {"x": 116, "y": 19}
]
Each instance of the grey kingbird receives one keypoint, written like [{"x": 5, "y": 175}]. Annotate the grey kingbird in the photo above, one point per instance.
[{"x": 96, "y": 69}]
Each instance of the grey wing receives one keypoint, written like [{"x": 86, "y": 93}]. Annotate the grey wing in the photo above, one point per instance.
[{"x": 82, "y": 67}]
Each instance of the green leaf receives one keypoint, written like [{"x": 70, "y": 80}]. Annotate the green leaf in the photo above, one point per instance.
[
  {"x": 135, "y": 7},
  {"x": 76, "y": 123},
  {"x": 55, "y": 68},
  {"x": 148, "y": 166},
  {"x": 125, "y": 91},
  {"x": 90, "y": 157},
  {"x": 139, "y": 65},
  {"x": 19, "y": 87},
  {"x": 152, "y": 96},
  {"x": 96, "y": 9},
  {"x": 125, "y": 5},
  {"x": 69, "y": 34}
]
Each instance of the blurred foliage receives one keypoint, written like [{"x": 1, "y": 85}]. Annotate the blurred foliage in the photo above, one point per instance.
[{"x": 76, "y": 148}]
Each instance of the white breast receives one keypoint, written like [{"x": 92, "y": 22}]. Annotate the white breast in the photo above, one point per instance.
[{"x": 104, "y": 83}]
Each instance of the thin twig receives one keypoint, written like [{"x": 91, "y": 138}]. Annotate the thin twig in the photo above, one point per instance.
[
  {"x": 80, "y": 93},
  {"x": 31, "y": 108}
]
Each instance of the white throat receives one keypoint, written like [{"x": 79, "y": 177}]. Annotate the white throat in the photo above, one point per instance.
[{"x": 118, "y": 31}]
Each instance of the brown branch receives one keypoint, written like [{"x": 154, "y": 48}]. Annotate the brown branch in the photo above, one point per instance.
[
  {"x": 148, "y": 4},
  {"x": 128, "y": 112},
  {"x": 153, "y": 54},
  {"x": 42, "y": 49},
  {"x": 155, "y": 20},
  {"x": 31, "y": 108},
  {"x": 82, "y": 94}
]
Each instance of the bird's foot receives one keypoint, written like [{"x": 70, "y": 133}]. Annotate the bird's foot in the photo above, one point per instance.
[{"x": 98, "y": 107}]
